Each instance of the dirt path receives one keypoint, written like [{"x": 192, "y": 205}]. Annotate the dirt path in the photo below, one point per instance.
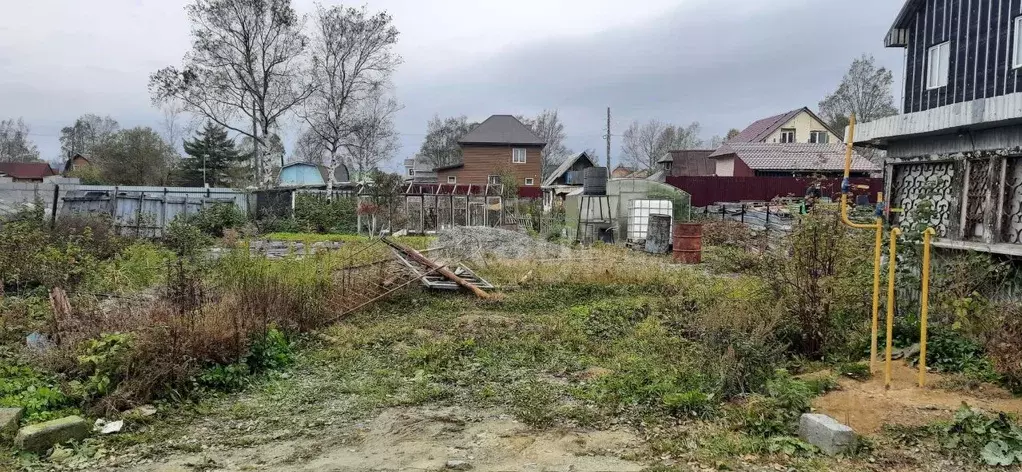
[
  {"x": 421, "y": 439},
  {"x": 867, "y": 406}
]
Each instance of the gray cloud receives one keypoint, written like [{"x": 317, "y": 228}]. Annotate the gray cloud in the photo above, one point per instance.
[{"x": 723, "y": 63}]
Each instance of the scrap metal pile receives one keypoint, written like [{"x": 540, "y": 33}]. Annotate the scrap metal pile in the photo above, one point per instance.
[{"x": 365, "y": 284}]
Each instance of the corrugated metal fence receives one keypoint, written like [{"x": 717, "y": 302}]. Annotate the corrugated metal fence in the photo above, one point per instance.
[
  {"x": 145, "y": 211},
  {"x": 711, "y": 190}
]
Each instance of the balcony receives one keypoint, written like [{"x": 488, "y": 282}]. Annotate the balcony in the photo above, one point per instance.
[{"x": 976, "y": 114}]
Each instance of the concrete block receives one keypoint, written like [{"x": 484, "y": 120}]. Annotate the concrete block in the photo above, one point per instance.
[
  {"x": 38, "y": 438},
  {"x": 9, "y": 418},
  {"x": 826, "y": 433}
]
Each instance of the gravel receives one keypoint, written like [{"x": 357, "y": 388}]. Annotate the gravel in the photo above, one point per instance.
[{"x": 474, "y": 243}]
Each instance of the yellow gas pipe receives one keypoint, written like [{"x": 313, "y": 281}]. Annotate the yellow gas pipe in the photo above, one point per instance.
[
  {"x": 924, "y": 304},
  {"x": 878, "y": 225},
  {"x": 891, "y": 264}
]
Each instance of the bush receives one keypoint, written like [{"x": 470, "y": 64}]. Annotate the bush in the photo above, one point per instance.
[
  {"x": 727, "y": 233},
  {"x": 824, "y": 276},
  {"x": 184, "y": 238},
  {"x": 317, "y": 214},
  {"x": 216, "y": 218},
  {"x": 1005, "y": 347}
]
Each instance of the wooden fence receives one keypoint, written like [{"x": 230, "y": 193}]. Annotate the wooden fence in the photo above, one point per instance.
[{"x": 710, "y": 190}]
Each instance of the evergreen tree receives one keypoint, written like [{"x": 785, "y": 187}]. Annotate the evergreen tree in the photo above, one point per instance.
[{"x": 221, "y": 158}]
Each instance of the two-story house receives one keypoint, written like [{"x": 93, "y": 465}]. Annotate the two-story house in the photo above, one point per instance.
[
  {"x": 958, "y": 143},
  {"x": 796, "y": 143},
  {"x": 501, "y": 145}
]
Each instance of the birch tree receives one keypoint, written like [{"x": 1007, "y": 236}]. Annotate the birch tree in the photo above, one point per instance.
[
  {"x": 865, "y": 90},
  {"x": 244, "y": 71},
  {"x": 352, "y": 61},
  {"x": 548, "y": 126},
  {"x": 87, "y": 132},
  {"x": 373, "y": 138},
  {"x": 14, "y": 143}
]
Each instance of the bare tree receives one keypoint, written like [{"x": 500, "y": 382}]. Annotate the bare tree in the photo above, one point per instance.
[
  {"x": 175, "y": 124},
  {"x": 547, "y": 125},
  {"x": 14, "y": 143},
  {"x": 373, "y": 138},
  {"x": 645, "y": 144},
  {"x": 243, "y": 72},
  {"x": 87, "y": 132},
  {"x": 865, "y": 90},
  {"x": 352, "y": 61},
  {"x": 440, "y": 147}
]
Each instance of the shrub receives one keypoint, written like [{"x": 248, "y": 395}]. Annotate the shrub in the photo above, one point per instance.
[
  {"x": 185, "y": 239},
  {"x": 1005, "y": 347},
  {"x": 317, "y": 214},
  {"x": 823, "y": 274},
  {"x": 216, "y": 218},
  {"x": 727, "y": 233}
]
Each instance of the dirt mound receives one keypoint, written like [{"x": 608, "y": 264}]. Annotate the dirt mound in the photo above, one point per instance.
[
  {"x": 868, "y": 406},
  {"x": 475, "y": 243}
]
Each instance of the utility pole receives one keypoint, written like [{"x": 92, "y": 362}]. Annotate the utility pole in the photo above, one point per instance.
[{"x": 608, "y": 141}]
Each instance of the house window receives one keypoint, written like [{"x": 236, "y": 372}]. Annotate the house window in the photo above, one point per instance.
[
  {"x": 787, "y": 135},
  {"x": 493, "y": 179},
  {"x": 937, "y": 65},
  {"x": 819, "y": 137},
  {"x": 530, "y": 182},
  {"x": 411, "y": 172},
  {"x": 518, "y": 156},
  {"x": 1016, "y": 60},
  {"x": 452, "y": 179}
]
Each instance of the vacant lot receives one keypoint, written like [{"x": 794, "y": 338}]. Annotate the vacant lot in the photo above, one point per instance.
[{"x": 584, "y": 359}]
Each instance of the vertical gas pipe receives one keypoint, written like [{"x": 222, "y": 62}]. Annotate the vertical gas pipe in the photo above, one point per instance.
[
  {"x": 891, "y": 264},
  {"x": 924, "y": 304},
  {"x": 878, "y": 226}
]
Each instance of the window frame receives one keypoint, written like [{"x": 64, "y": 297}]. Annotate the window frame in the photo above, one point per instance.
[
  {"x": 514, "y": 156},
  {"x": 814, "y": 133},
  {"x": 530, "y": 181},
  {"x": 786, "y": 131},
  {"x": 452, "y": 179},
  {"x": 493, "y": 179},
  {"x": 943, "y": 63},
  {"x": 411, "y": 172},
  {"x": 1016, "y": 43}
]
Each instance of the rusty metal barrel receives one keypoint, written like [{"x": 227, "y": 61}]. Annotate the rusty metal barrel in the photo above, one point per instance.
[
  {"x": 658, "y": 234},
  {"x": 688, "y": 243}
]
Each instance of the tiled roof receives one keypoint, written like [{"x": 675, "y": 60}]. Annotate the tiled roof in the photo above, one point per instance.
[
  {"x": 759, "y": 130},
  {"x": 501, "y": 129},
  {"x": 762, "y": 129},
  {"x": 794, "y": 156},
  {"x": 26, "y": 170}
]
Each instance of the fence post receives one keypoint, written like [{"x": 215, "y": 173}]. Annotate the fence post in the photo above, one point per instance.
[
  {"x": 163, "y": 211},
  {"x": 138, "y": 214},
  {"x": 743, "y": 213},
  {"x": 53, "y": 210},
  {"x": 723, "y": 212}
]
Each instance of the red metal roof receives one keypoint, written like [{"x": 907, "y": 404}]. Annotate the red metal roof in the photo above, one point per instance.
[{"x": 26, "y": 170}]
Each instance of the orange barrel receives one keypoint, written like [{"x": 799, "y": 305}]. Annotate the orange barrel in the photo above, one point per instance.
[{"x": 688, "y": 243}]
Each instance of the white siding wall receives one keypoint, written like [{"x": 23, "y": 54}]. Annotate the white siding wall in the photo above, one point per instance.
[{"x": 803, "y": 123}]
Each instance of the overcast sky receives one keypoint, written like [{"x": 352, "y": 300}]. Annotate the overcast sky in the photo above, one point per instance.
[{"x": 723, "y": 63}]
